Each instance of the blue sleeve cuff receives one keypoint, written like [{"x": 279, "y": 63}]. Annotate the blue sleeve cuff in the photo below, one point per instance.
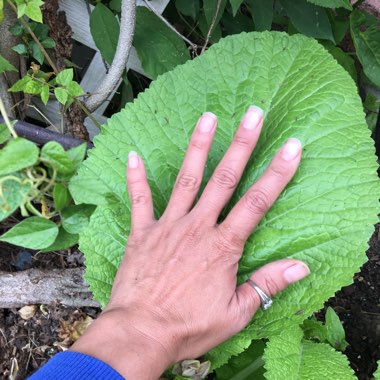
[{"x": 75, "y": 366}]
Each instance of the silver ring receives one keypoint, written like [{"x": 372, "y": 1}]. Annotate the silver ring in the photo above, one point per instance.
[{"x": 266, "y": 301}]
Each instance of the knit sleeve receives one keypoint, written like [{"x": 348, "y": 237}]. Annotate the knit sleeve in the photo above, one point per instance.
[{"x": 75, "y": 366}]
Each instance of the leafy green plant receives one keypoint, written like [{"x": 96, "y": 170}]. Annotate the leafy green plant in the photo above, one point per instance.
[
  {"x": 28, "y": 47},
  {"x": 36, "y": 182},
  {"x": 324, "y": 217},
  {"x": 37, "y": 82}
]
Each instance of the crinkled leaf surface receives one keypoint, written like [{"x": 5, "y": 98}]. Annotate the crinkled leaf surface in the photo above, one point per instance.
[
  {"x": 324, "y": 217},
  {"x": 288, "y": 357},
  {"x": 249, "y": 365}
]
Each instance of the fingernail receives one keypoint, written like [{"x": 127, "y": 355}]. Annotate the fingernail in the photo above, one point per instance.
[
  {"x": 296, "y": 272},
  {"x": 133, "y": 160},
  {"x": 207, "y": 122},
  {"x": 252, "y": 117},
  {"x": 291, "y": 149}
]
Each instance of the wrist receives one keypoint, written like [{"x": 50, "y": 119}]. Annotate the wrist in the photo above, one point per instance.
[{"x": 115, "y": 340}]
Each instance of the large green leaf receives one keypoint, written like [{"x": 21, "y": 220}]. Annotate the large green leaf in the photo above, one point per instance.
[
  {"x": 327, "y": 212},
  {"x": 365, "y": 32},
  {"x": 332, "y": 3},
  {"x": 309, "y": 19},
  {"x": 262, "y": 13},
  {"x": 16, "y": 155},
  {"x": 33, "y": 233},
  {"x": 158, "y": 47},
  {"x": 288, "y": 357},
  {"x": 105, "y": 31}
]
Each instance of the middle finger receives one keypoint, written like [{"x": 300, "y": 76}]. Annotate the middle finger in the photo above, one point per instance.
[{"x": 227, "y": 175}]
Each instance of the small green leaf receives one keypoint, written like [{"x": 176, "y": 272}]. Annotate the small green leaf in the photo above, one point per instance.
[
  {"x": 262, "y": 13},
  {"x": 115, "y": 5},
  {"x": 6, "y": 65},
  {"x": 18, "y": 154},
  {"x": 32, "y": 233},
  {"x": 20, "y": 49},
  {"x": 4, "y": 133},
  {"x": 37, "y": 53},
  {"x": 61, "y": 196},
  {"x": 1, "y": 11},
  {"x": 76, "y": 218},
  {"x": 313, "y": 329},
  {"x": 77, "y": 154},
  {"x": 65, "y": 77},
  {"x": 309, "y": 19},
  {"x": 235, "y": 5},
  {"x": 189, "y": 8},
  {"x": 40, "y": 30},
  {"x": 16, "y": 29},
  {"x": 20, "y": 84},
  {"x": 33, "y": 10},
  {"x": 45, "y": 94},
  {"x": 74, "y": 89},
  {"x": 333, "y": 3},
  {"x": 61, "y": 94},
  {"x": 14, "y": 192},
  {"x": 33, "y": 87},
  {"x": 55, "y": 156},
  {"x": 63, "y": 241},
  {"x": 365, "y": 32},
  {"x": 105, "y": 31},
  {"x": 21, "y": 8},
  {"x": 335, "y": 331},
  {"x": 158, "y": 47},
  {"x": 48, "y": 43}
]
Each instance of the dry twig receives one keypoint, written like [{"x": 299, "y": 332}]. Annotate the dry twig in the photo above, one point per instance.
[{"x": 211, "y": 26}]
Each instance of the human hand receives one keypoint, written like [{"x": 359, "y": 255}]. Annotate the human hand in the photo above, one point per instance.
[{"x": 175, "y": 295}]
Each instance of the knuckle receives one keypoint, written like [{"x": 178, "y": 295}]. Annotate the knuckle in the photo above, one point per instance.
[
  {"x": 228, "y": 241},
  {"x": 241, "y": 141},
  {"x": 197, "y": 144},
  {"x": 187, "y": 182},
  {"x": 257, "y": 202},
  {"x": 272, "y": 286},
  {"x": 225, "y": 178},
  {"x": 139, "y": 199},
  {"x": 193, "y": 231},
  {"x": 278, "y": 170}
]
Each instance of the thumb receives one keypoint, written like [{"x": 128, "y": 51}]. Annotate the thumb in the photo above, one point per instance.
[{"x": 272, "y": 279}]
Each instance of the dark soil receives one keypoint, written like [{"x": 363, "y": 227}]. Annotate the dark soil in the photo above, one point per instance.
[
  {"x": 25, "y": 345},
  {"x": 358, "y": 307}
]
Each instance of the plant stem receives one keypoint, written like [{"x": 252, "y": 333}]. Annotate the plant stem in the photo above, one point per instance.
[
  {"x": 6, "y": 119},
  {"x": 36, "y": 40},
  {"x": 33, "y": 210},
  {"x": 87, "y": 112},
  {"x": 124, "y": 44},
  {"x": 212, "y": 25}
]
